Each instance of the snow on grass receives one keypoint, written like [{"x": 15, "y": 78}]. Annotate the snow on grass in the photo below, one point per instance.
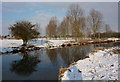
[
  {"x": 7, "y": 44},
  {"x": 102, "y": 65},
  {"x": 57, "y": 43},
  {"x": 90, "y": 41},
  {"x": 37, "y": 42},
  {"x": 48, "y": 43},
  {"x": 114, "y": 39},
  {"x": 10, "y": 43}
]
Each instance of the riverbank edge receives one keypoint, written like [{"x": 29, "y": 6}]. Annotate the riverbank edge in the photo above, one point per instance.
[
  {"x": 66, "y": 43},
  {"x": 63, "y": 70}
]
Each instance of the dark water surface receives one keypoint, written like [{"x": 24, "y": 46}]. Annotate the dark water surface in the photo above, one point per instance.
[{"x": 43, "y": 64}]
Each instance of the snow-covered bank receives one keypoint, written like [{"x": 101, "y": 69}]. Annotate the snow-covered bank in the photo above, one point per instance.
[
  {"x": 55, "y": 43},
  {"x": 114, "y": 39},
  {"x": 102, "y": 64},
  {"x": 8, "y": 45}
]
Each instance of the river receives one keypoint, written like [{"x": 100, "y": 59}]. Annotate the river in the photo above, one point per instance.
[{"x": 43, "y": 64}]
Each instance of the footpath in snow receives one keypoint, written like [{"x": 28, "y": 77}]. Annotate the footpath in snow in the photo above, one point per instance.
[{"x": 102, "y": 64}]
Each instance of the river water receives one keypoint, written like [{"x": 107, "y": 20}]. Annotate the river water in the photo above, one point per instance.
[{"x": 43, "y": 64}]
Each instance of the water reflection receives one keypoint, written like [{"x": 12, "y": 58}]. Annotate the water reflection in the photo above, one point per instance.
[
  {"x": 107, "y": 45},
  {"x": 68, "y": 54},
  {"x": 26, "y": 65},
  {"x": 52, "y": 54},
  {"x": 64, "y": 53},
  {"x": 44, "y": 64}
]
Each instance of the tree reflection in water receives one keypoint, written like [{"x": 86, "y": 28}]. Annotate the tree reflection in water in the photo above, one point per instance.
[
  {"x": 65, "y": 55},
  {"x": 52, "y": 54},
  {"x": 73, "y": 54},
  {"x": 26, "y": 65}
]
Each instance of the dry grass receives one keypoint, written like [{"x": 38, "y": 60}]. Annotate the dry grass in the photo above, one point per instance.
[
  {"x": 62, "y": 70},
  {"x": 115, "y": 52},
  {"x": 87, "y": 56},
  {"x": 102, "y": 49},
  {"x": 73, "y": 64},
  {"x": 94, "y": 51},
  {"x": 60, "y": 76}
]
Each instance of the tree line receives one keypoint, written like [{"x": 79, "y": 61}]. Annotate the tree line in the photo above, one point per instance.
[{"x": 76, "y": 24}]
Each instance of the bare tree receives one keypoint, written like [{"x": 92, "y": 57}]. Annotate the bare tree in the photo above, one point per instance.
[
  {"x": 63, "y": 28},
  {"x": 95, "y": 21},
  {"x": 51, "y": 29},
  {"x": 88, "y": 32},
  {"x": 82, "y": 28},
  {"x": 107, "y": 28},
  {"x": 67, "y": 25},
  {"x": 75, "y": 13}
]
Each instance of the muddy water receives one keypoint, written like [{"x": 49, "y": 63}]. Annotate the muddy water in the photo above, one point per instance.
[{"x": 43, "y": 64}]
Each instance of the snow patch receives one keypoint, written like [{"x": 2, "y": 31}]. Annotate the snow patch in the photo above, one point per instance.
[
  {"x": 114, "y": 39},
  {"x": 102, "y": 65},
  {"x": 7, "y": 44}
]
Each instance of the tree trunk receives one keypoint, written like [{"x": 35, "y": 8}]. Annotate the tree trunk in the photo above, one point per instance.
[
  {"x": 99, "y": 35},
  {"x": 50, "y": 37},
  {"x": 75, "y": 36},
  {"x": 25, "y": 43},
  {"x": 94, "y": 35}
]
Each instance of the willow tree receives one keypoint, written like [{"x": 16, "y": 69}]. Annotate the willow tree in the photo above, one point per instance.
[
  {"x": 51, "y": 29},
  {"x": 75, "y": 13},
  {"x": 24, "y": 30},
  {"x": 95, "y": 21}
]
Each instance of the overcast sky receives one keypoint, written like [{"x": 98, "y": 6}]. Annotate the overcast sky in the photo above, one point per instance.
[{"x": 41, "y": 12}]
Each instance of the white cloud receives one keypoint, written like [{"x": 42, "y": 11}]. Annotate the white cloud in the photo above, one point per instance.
[
  {"x": 42, "y": 15},
  {"x": 43, "y": 19}
]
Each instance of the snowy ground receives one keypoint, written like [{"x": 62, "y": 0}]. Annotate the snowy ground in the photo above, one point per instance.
[
  {"x": 55, "y": 43},
  {"x": 10, "y": 43},
  {"x": 114, "y": 39},
  {"x": 7, "y": 44},
  {"x": 101, "y": 65}
]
